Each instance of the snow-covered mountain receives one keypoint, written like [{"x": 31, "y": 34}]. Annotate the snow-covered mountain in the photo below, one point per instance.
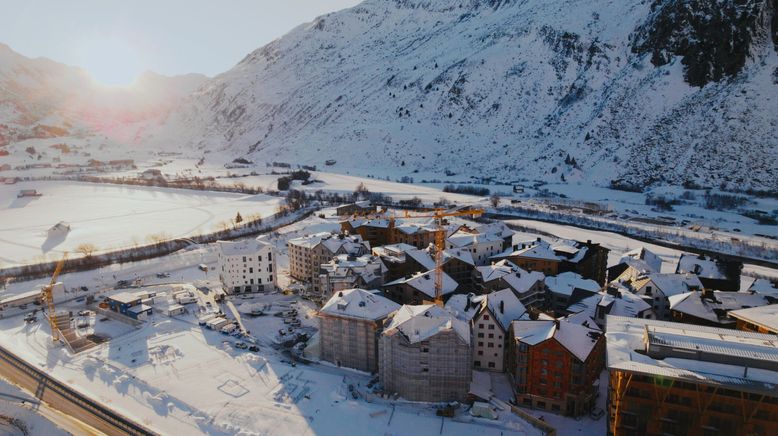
[
  {"x": 40, "y": 98},
  {"x": 622, "y": 91}
]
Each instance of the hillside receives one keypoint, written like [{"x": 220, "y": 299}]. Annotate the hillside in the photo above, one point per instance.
[
  {"x": 631, "y": 92},
  {"x": 40, "y": 98}
]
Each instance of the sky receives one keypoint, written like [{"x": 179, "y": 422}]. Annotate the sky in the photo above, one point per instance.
[{"x": 115, "y": 41}]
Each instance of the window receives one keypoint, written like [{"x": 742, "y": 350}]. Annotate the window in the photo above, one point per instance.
[
  {"x": 480, "y": 326},
  {"x": 491, "y": 326},
  {"x": 480, "y": 352},
  {"x": 244, "y": 259},
  {"x": 480, "y": 344},
  {"x": 490, "y": 345},
  {"x": 251, "y": 270},
  {"x": 486, "y": 317},
  {"x": 491, "y": 335},
  {"x": 491, "y": 365},
  {"x": 480, "y": 335}
]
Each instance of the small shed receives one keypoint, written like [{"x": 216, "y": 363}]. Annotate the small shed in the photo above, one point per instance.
[
  {"x": 176, "y": 309},
  {"x": 140, "y": 312}
]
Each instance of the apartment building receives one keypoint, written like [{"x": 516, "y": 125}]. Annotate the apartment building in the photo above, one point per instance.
[{"x": 247, "y": 266}]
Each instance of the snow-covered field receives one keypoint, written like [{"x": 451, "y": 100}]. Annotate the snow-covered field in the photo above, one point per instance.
[{"x": 110, "y": 216}]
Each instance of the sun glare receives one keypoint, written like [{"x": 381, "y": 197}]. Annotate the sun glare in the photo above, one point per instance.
[{"x": 111, "y": 61}]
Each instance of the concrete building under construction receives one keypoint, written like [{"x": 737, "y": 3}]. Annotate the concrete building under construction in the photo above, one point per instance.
[
  {"x": 425, "y": 355},
  {"x": 680, "y": 379},
  {"x": 350, "y": 323}
]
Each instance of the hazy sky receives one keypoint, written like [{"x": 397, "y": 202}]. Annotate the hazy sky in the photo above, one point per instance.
[{"x": 117, "y": 40}]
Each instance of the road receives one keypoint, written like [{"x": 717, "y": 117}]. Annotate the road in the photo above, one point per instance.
[{"x": 68, "y": 402}]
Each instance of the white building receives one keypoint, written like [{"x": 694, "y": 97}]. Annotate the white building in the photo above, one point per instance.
[
  {"x": 490, "y": 316},
  {"x": 247, "y": 266}
]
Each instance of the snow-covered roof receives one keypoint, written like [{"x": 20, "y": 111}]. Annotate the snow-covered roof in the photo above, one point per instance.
[
  {"x": 393, "y": 252},
  {"x": 333, "y": 243},
  {"x": 576, "y": 338},
  {"x": 362, "y": 222},
  {"x": 127, "y": 297},
  {"x": 139, "y": 308},
  {"x": 700, "y": 305},
  {"x": 455, "y": 253},
  {"x": 419, "y": 323},
  {"x": 642, "y": 260},
  {"x": 521, "y": 281},
  {"x": 672, "y": 284},
  {"x": 496, "y": 270},
  {"x": 465, "y": 307},
  {"x": 422, "y": 257},
  {"x": 368, "y": 267},
  {"x": 537, "y": 249},
  {"x": 700, "y": 265},
  {"x": 462, "y": 239},
  {"x": 571, "y": 251},
  {"x": 359, "y": 304},
  {"x": 244, "y": 247},
  {"x": 623, "y": 303},
  {"x": 627, "y": 350},
  {"x": 424, "y": 282},
  {"x": 506, "y": 307},
  {"x": 764, "y": 287},
  {"x": 567, "y": 282},
  {"x": 764, "y": 316}
]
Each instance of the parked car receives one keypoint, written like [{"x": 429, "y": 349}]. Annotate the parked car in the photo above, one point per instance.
[
  {"x": 253, "y": 348},
  {"x": 241, "y": 345},
  {"x": 203, "y": 267}
]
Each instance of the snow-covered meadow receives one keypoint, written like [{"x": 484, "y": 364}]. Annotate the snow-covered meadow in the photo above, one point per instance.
[{"x": 111, "y": 216}]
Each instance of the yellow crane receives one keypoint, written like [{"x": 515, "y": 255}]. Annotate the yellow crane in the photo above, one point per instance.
[
  {"x": 440, "y": 235},
  {"x": 440, "y": 240},
  {"x": 47, "y": 294}
]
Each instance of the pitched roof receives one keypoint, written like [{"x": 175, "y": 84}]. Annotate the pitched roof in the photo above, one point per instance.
[
  {"x": 496, "y": 270},
  {"x": 673, "y": 284},
  {"x": 506, "y": 307},
  {"x": 578, "y": 339},
  {"x": 764, "y": 316},
  {"x": 359, "y": 304},
  {"x": 424, "y": 282},
  {"x": 642, "y": 260},
  {"x": 764, "y": 287},
  {"x": 521, "y": 281},
  {"x": 419, "y": 323},
  {"x": 702, "y": 266},
  {"x": 465, "y": 307},
  {"x": 700, "y": 305},
  {"x": 567, "y": 282}
]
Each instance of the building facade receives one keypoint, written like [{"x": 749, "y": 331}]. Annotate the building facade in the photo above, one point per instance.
[
  {"x": 350, "y": 324},
  {"x": 554, "y": 365},
  {"x": 425, "y": 355},
  {"x": 247, "y": 266},
  {"x": 308, "y": 253},
  {"x": 679, "y": 379}
]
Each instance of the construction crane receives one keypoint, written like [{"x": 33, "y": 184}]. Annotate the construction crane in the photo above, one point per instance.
[
  {"x": 47, "y": 294},
  {"x": 440, "y": 240},
  {"x": 440, "y": 235}
]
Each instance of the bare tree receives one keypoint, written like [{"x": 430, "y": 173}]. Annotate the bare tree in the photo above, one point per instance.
[
  {"x": 86, "y": 249},
  {"x": 494, "y": 200}
]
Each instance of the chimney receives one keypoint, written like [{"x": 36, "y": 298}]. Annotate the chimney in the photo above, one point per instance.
[
  {"x": 502, "y": 306},
  {"x": 557, "y": 324},
  {"x": 538, "y": 238}
]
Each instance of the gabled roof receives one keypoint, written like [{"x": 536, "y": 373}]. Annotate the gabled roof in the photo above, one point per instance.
[
  {"x": 625, "y": 303},
  {"x": 577, "y": 339},
  {"x": 496, "y": 270},
  {"x": 702, "y": 266},
  {"x": 764, "y": 316},
  {"x": 424, "y": 282},
  {"x": 764, "y": 287},
  {"x": 465, "y": 307},
  {"x": 455, "y": 253},
  {"x": 642, "y": 260},
  {"x": 567, "y": 282},
  {"x": 359, "y": 304},
  {"x": 521, "y": 281},
  {"x": 422, "y": 257},
  {"x": 700, "y": 305},
  {"x": 671, "y": 284},
  {"x": 505, "y": 307},
  {"x": 419, "y": 323},
  {"x": 537, "y": 249}
]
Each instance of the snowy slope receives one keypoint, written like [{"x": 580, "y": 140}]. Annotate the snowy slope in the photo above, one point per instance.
[{"x": 507, "y": 88}]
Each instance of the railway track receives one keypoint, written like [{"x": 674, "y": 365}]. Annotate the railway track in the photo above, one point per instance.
[{"x": 65, "y": 399}]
